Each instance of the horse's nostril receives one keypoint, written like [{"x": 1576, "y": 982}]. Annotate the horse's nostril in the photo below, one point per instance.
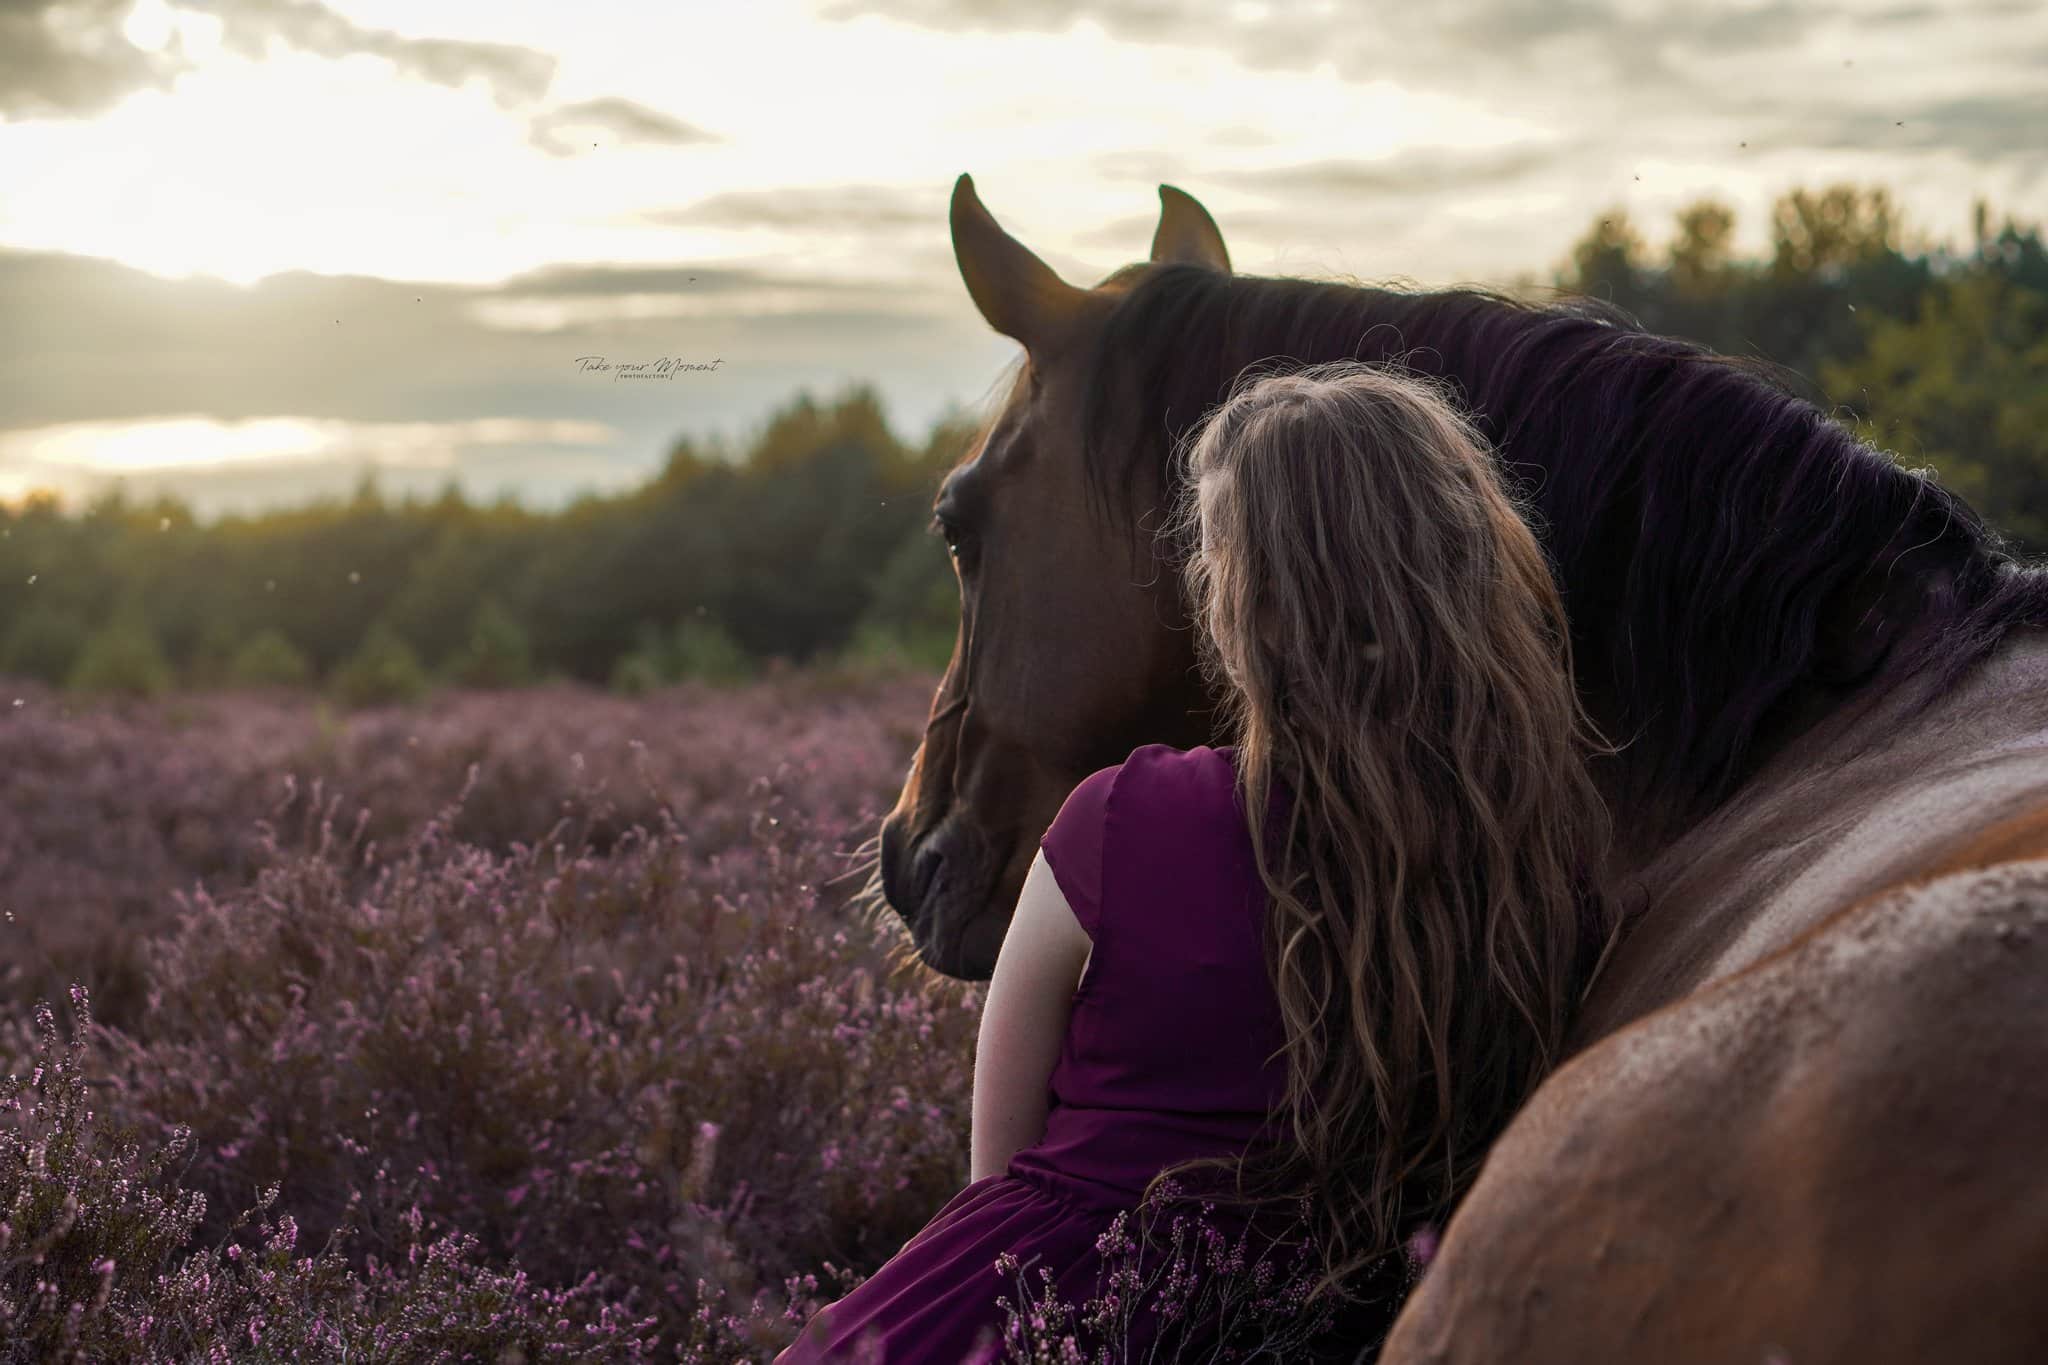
[{"x": 924, "y": 873}]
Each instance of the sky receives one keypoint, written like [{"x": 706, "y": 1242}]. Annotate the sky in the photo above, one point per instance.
[{"x": 252, "y": 248}]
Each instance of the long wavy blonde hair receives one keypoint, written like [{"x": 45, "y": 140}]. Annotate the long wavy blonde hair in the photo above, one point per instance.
[{"x": 1381, "y": 630}]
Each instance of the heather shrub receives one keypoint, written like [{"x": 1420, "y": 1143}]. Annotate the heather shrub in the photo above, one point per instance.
[
  {"x": 268, "y": 659},
  {"x": 108, "y": 809},
  {"x": 112, "y": 806},
  {"x": 645, "y": 1067},
  {"x": 1175, "y": 1282},
  {"x": 537, "y": 1012},
  {"x": 383, "y": 670},
  {"x": 81, "y": 1210},
  {"x": 726, "y": 1328},
  {"x": 99, "y": 1258},
  {"x": 546, "y": 752}
]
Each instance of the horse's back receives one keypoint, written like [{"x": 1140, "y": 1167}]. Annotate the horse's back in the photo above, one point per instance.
[
  {"x": 1894, "y": 795},
  {"x": 1834, "y": 1155}
]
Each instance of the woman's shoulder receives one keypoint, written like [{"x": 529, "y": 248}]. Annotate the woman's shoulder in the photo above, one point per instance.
[
  {"x": 1201, "y": 758},
  {"x": 1198, "y": 784},
  {"x": 1164, "y": 775},
  {"x": 1174, "y": 761},
  {"x": 1155, "y": 780}
]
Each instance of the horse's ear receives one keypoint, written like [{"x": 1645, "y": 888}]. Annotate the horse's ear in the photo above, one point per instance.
[
  {"x": 1187, "y": 233},
  {"x": 1017, "y": 293}
]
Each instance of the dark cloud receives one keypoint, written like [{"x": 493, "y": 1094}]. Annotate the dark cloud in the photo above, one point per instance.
[
  {"x": 573, "y": 129},
  {"x": 1988, "y": 128},
  {"x": 70, "y": 58},
  {"x": 1500, "y": 26},
  {"x": 1383, "y": 40},
  {"x": 597, "y": 280},
  {"x": 826, "y": 208},
  {"x": 1335, "y": 194},
  {"x": 1541, "y": 54},
  {"x": 1408, "y": 174},
  {"x": 1035, "y": 16},
  {"x": 89, "y": 340},
  {"x": 516, "y": 75}
]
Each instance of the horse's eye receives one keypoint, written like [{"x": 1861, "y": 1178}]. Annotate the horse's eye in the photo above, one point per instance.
[{"x": 948, "y": 532}]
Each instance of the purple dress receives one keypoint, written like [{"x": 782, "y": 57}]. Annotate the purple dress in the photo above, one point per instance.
[{"x": 1171, "y": 1052}]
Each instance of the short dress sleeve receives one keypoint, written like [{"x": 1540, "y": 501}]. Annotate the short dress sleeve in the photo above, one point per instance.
[{"x": 1072, "y": 845}]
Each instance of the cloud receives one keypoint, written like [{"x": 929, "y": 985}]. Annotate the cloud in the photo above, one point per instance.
[
  {"x": 1385, "y": 41},
  {"x": 516, "y": 75},
  {"x": 821, "y": 208},
  {"x": 1364, "y": 198},
  {"x": 574, "y": 128},
  {"x": 580, "y": 297},
  {"x": 1982, "y": 127},
  {"x": 1417, "y": 172},
  {"x": 71, "y": 59},
  {"x": 1032, "y": 16},
  {"x": 1665, "y": 59},
  {"x": 1312, "y": 33},
  {"x": 74, "y": 58}
]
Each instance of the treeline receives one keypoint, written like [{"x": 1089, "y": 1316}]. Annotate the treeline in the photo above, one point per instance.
[
  {"x": 810, "y": 545},
  {"x": 1936, "y": 353}
]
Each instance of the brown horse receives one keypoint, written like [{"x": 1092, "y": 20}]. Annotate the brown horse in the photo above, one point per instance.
[{"x": 1808, "y": 1115}]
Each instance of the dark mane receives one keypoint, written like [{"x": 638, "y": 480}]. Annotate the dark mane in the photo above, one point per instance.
[{"x": 1722, "y": 546}]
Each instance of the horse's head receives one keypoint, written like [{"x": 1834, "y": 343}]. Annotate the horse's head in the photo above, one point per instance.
[{"x": 1073, "y": 647}]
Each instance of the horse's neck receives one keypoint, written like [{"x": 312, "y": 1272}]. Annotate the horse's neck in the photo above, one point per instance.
[{"x": 1863, "y": 800}]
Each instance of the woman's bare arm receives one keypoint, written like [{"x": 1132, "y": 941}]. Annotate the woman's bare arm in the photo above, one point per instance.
[{"x": 1023, "y": 1021}]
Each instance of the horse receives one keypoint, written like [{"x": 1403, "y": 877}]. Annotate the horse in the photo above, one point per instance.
[{"x": 1804, "y": 1112}]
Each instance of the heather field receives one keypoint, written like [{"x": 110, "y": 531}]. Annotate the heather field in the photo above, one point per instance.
[{"x": 515, "y": 1026}]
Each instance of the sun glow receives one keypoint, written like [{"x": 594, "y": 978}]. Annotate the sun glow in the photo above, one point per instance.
[
  {"x": 193, "y": 442},
  {"x": 347, "y": 165}
]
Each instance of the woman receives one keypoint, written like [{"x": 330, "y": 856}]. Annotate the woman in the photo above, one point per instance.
[{"x": 1349, "y": 1000}]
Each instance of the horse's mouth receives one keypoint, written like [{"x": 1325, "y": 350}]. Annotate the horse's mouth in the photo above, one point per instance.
[
  {"x": 953, "y": 925},
  {"x": 953, "y": 939}
]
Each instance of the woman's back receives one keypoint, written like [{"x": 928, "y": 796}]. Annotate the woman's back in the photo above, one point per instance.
[
  {"x": 1171, "y": 1052},
  {"x": 1173, "y": 1047}
]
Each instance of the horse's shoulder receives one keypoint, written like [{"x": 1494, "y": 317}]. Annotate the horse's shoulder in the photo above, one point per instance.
[{"x": 1877, "y": 1088}]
